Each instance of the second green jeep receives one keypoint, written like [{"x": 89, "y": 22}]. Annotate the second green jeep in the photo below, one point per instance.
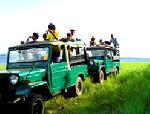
[{"x": 103, "y": 61}]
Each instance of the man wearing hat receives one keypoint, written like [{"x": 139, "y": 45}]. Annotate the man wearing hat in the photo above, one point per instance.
[{"x": 72, "y": 31}]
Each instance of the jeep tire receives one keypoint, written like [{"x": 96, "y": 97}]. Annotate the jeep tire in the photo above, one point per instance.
[
  {"x": 35, "y": 104},
  {"x": 75, "y": 90},
  {"x": 101, "y": 77},
  {"x": 116, "y": 71}
]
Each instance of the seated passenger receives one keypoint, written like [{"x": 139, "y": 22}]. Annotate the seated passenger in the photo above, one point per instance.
[
  {"x": 101, "y": 43},
  {"x": 92, "y": 42},
  {"x": 109, "y": 54},
  {"x": 69, "y": 37},
  {"x": 70, "y": 51},
  {"x": 45, "y": 36},
  {"x": 56, "y": 54},
  {"x": 45, "y": 57},
  {"x": 34, "y": 38}
]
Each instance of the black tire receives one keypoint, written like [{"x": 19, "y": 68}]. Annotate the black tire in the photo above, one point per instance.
[
  {"x": 101, "y": 77},
  {"x": 35, "y": 104},
  {"x": 3, "y": 109},
  {"x": 75, "y": 90},
  {"x": 115, "y": 72},
  {"x": 118, "y": 70}
]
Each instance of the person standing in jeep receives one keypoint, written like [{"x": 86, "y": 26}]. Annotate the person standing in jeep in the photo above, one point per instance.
[
  {"x": 114, "y": 41},
  {"x": 52, "y": 33}
]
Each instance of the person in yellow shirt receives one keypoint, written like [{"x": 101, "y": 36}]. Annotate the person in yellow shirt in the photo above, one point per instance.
[{"x": 52, "y": 35}]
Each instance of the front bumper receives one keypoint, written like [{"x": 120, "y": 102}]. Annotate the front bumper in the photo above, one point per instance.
[{"x": 7, "y": 91}]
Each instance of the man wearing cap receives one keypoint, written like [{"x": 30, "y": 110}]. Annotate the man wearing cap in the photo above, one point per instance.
[{"x": 52, "y": 33}]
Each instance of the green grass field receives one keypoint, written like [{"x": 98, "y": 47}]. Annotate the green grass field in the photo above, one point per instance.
[
  {"x": 127, "y": 93},
  {"x": 2, "y": 67}
]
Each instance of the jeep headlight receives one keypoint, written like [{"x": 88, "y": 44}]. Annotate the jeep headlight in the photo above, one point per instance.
[
  {"x": 91, "y": 62},
  {"x": 13, "y": 79}
]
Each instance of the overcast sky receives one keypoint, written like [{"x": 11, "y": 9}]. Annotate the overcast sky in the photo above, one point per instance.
[{"x": 128, "y": 20}]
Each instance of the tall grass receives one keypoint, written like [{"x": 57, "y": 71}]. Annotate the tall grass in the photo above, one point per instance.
[
  {"x": 2, "y": 67},
  {"x": 127, "y": 93}
]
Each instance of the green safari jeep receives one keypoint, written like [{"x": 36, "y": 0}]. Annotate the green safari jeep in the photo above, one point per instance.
[
  {"x": 37, "y": 71},
  {"x": 102, "y": 61}
]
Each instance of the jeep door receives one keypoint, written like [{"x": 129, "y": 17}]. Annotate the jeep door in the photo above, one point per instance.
[
  {"x": 108, "y": 61},
  {"x": 59, "y": 72}
]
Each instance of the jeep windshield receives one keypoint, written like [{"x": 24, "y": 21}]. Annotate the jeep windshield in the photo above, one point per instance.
[
  {"x": 27, "y": 54},
  {"x": 95, "y": 53}
]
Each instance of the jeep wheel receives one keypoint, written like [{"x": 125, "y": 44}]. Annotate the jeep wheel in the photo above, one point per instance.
[
  {"x": 101, "y": 77},
  {"x": 35, "y": 104},
  {"x": 3, "y": 108},
  {"x": 116, "y": 71},
  {"x": 76, "y": 90}
]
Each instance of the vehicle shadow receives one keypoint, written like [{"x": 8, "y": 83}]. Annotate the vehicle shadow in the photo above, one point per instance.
[{"x": 12, "y": 109}]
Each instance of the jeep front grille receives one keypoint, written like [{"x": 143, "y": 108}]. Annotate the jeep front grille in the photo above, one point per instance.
[{"x": 6, "y": 90}]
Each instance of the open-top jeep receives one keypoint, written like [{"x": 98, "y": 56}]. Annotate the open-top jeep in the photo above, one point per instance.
[
  {"x": 103, "y": 61},
  {"x": 37, "y": 71}
]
